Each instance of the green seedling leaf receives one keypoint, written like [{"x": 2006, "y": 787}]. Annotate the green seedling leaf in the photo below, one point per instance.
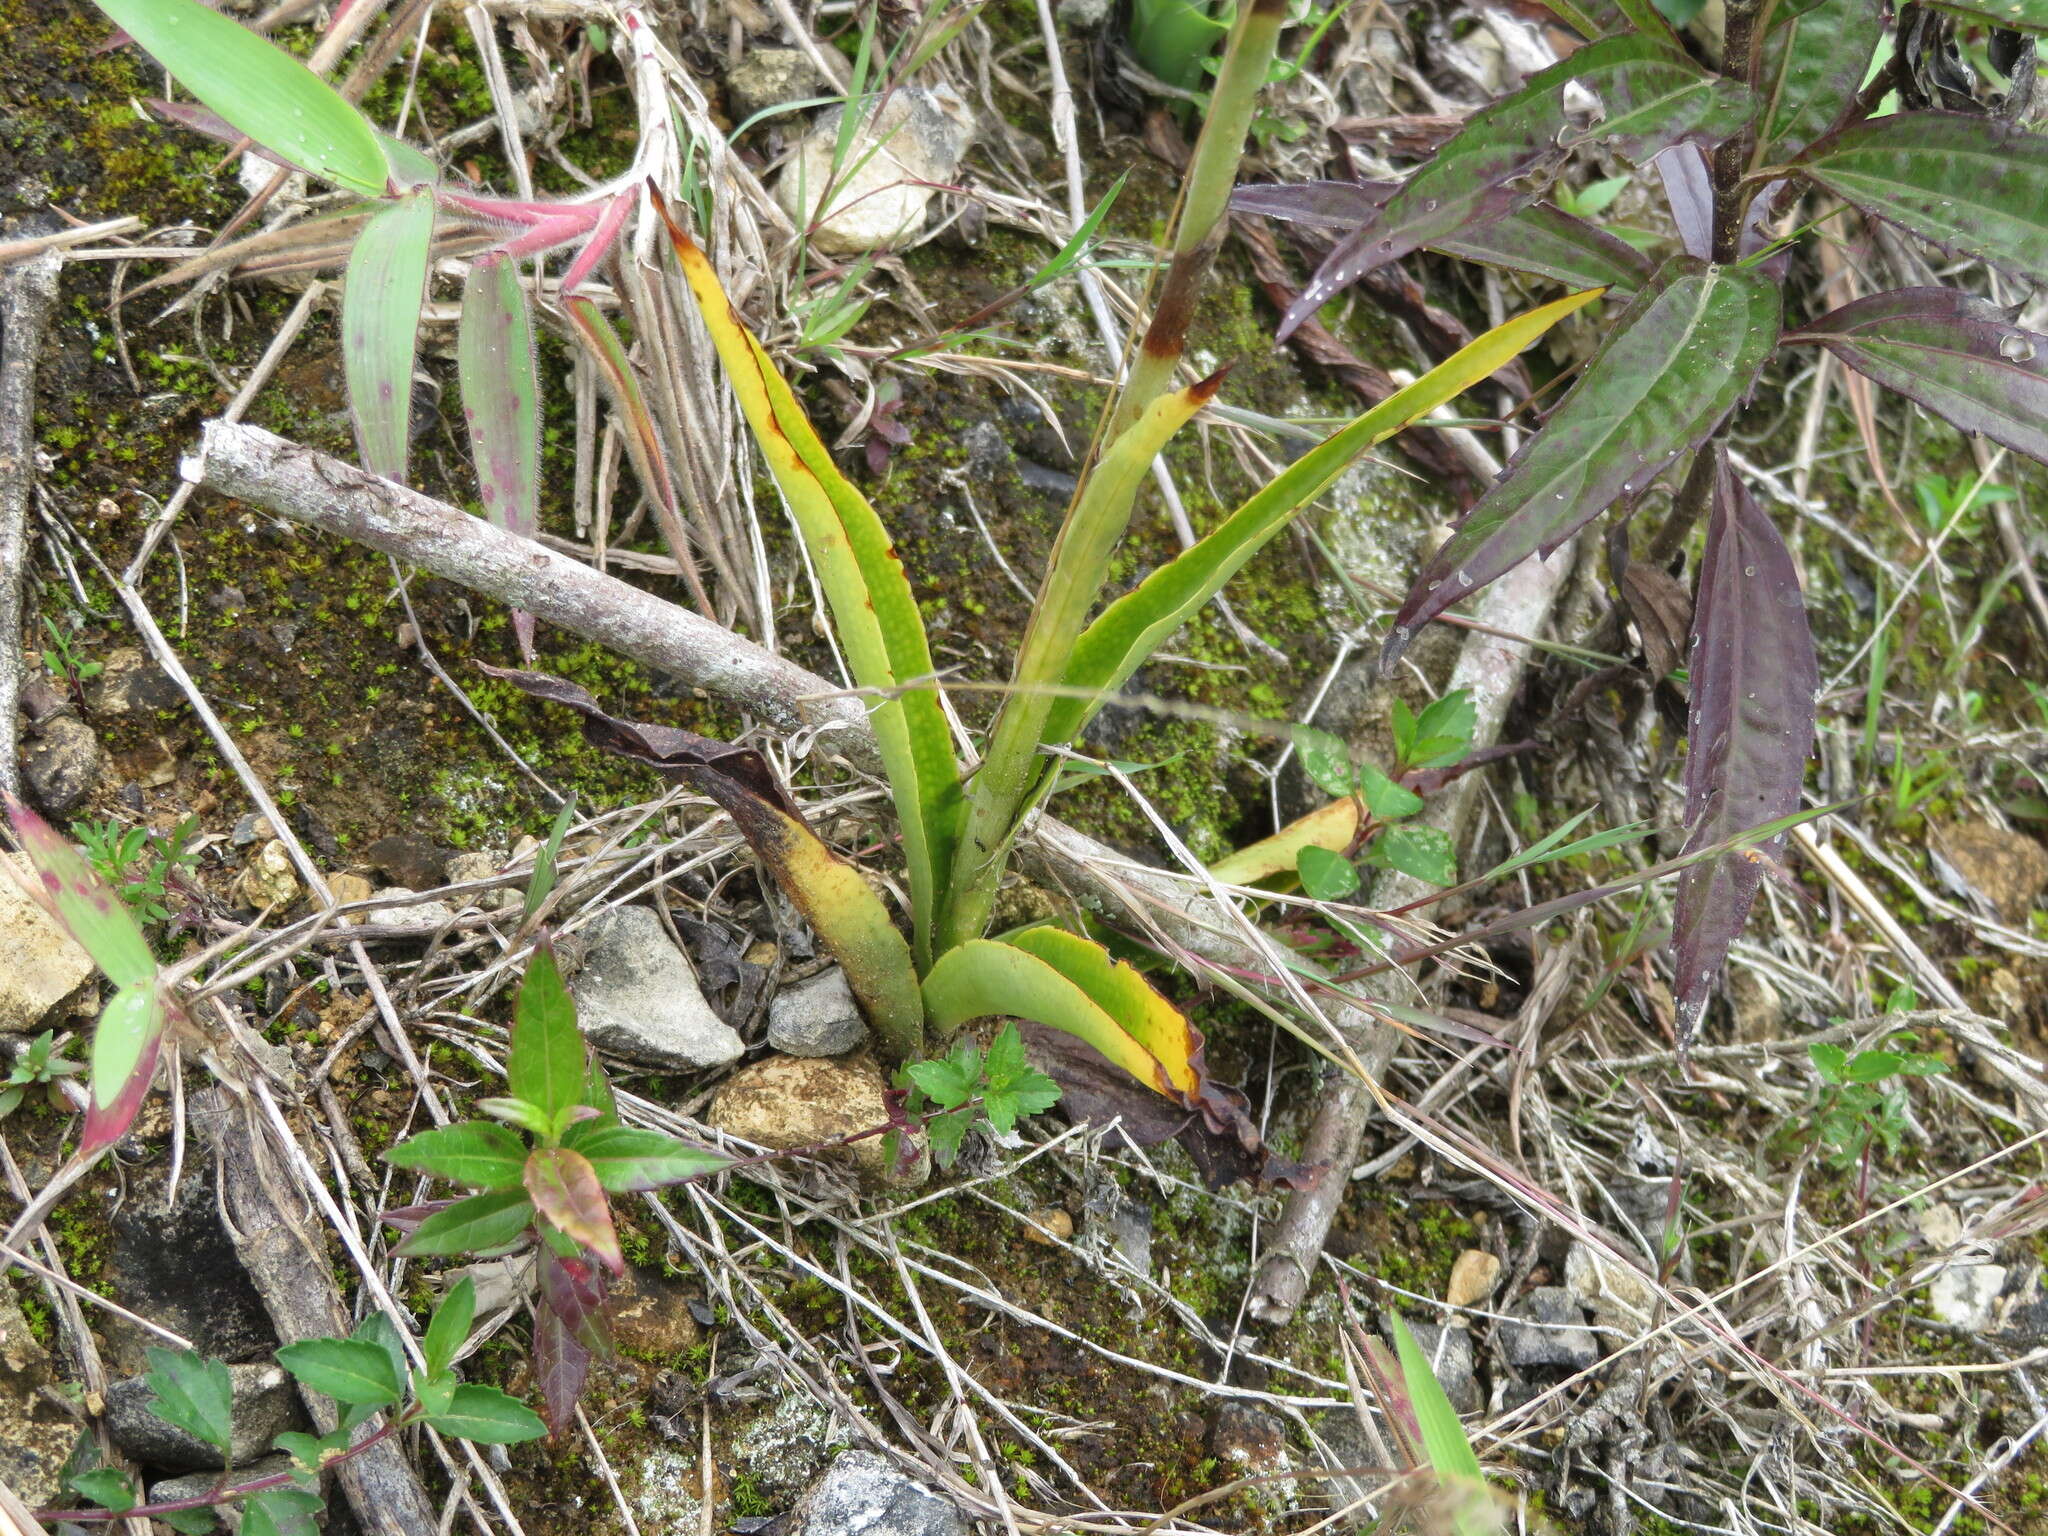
[
  {"x": 474, "y": 1153},
  {"x": 480, "y": 1224},
  {"x": 1442, "y": 734},
  {"x": 1326, "y": 759},
  {"x": 627, "y": 1160},
  {"x": 1872, "y": 1066},
  {"x": 195, "y": 1394},
  {"x": 1668, "y": 374},
  {"x": 355, "y": 1371},
  {"x": 1325, "y": 876},
  {"x": 566, "y": 1192},
  {"x": 449, "y": 1327},
  {"x": 1387, "y": 800},
  {"x": 544, "y": 862},
  {"x": 380, "y": 318},
  {"x": 949, "y": 1081},
  {"x": 1815, "y": 58},
  {"x": 188, "y": 1522},
  {"x": 527, "y": 1117},
  {"x": 547, "y": 1064},
  {"x": 105, "y": 1487},
  {"x": 1126, "y": 633},
  {"x": 488, "y": 1417},
  {"x": 1444, "y": 1442},
  {"x": 1969, "y": 184},
  {"x": 258, "y": 88},
  {"x": 1830, "y": 1061},
  {"x": 282, "y": 1512},
  {"x": 311, "y": 1452},
  {"x": 1427, "y": 853}
]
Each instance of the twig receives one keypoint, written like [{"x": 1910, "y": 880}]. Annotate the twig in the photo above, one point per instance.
[{"x": 28, "y": 292}]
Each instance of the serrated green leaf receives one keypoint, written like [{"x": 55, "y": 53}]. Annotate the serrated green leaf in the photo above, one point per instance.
[
  {"x": 1427, "y": 853},
  {"x": 193, "y": 1393},
  {"x": 258, "y": 88},
  {"x": 627, "y": 1159},
  {"x": 943, "y": 1082},
  {"x": 105, "y": 1487},
  {"x": 479, "y": 1224},
  {"x": 1831, "y": 1061},
  {"x": 347, "y": 1370},
  {"x": 547, "y": 1064},
  {"x": 1873, "y": 1066},
  {"x": 312, "y": 1452},
  {"x": 380, "y": 318},
  {"x": 1325, "y": 876},
  {"x": 449, "y": 1327},
  {"x": 488, "y": 1417},
  {"x": 1004, "y": 1059},
  {"x": 944, "y": 1134},
  {"x": 475, "y": 1153}
]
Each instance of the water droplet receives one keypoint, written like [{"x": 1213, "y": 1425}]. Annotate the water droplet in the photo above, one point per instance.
[
  {"x": 1749, "y": 570},
  {"x": 2017, "y": 347},
  {"x": 1464, "y": 578},
  {"x": 1432, "y": 586}
]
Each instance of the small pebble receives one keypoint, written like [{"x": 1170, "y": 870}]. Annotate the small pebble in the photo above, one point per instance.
[
  {"x": 1473, "y": 1278},
  {"x": 1049, "y": 1225}
]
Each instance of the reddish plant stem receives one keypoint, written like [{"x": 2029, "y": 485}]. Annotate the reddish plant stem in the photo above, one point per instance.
[{"x": 219, "y": 1495}]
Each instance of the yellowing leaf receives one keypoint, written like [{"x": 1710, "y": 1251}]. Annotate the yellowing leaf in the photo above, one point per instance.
[{"x": 1330, "y": 827}]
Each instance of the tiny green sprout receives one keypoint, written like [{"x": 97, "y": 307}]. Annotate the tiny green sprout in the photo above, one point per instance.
[
  {"x": 949, "y": 1095},
  {"x": 1863, "y": 1098},
  {"x": 38, "y": 1066}
]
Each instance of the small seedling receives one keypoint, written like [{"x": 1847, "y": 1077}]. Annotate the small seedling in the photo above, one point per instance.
[
  {"x": 952, "y": 1094},
  {"x": 38, "y": 1066},
  {"x": 61, "y": 660},
  {"x": 1863, "y": 1102},
  {"x": 143, "y": 867}
]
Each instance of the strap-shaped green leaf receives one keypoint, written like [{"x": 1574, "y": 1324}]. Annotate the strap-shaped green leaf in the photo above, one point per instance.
[
  {"x": 1966, "y": 183},
  {"x": 487, "y": 1416},
  {"x": 876, "y": 616},
  {"x": 83, "y": 904},
  {"x": 1543, "y": 240},
  {"x": 380, "y": 318},
  {"x": 501, "y": 393},
  {"x": 547, "y": 1064},
  {"x": 1134, "y": 626},
  {"x": 1673, "y": 368},
  {"x": 476, "y": 1225},
  {"x": 259, "y": 88},
  {"x": 473, "y": 1153},
  {"x": 2019, "y": 15},
  {"x": 629, "y": 1159}
]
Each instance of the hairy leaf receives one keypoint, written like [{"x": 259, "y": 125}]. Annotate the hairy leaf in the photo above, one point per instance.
[
  {"x": 1126, "y": 633},
  {"x": 1954, "y": 353},
  {"x": 841, "y": 906},
  {"x": 354, "y": 1371},
  {"x": 259, "y": 88},
  {"x": 1969, "y": 184},
  {"x": 487, "y": 1416},
  {"x": 627, "y": 1159},
  {"x": 380, "y": 320},
  {"x": 565, "y": 1190},
  {"x": 547, "y": 1062},
  {"x": 480, "y": 1224},
  {"x": 1815, "y": 57},
  {"x": 1674, "y": 366},
  {"x": 1750, "y": 729},
  {"x": 475, "y": 1153},
  {"x": 494, "y": 361},
  {"x": 873, "y": 608}
]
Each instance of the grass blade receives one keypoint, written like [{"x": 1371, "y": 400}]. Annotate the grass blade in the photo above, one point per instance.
[
  {"x": 380, "y": 317},
  {"x": 501, "y": 402}
]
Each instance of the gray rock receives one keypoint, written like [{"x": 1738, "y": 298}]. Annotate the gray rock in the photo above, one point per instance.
[
  {"x": 1966, "y": 1295},
  {"x": 637, "y": 997},
  {"x": 483, "y": 865},
  {"x": 1252, "y": 1442},
  {"x": 130, "y": 683},
  {"x": 918, "y": 136},
  {"x": 864, "y": 1495},
  {"x": 1449, "y": 1352},
  {"x": 817, "y": 1017},
  {"x": 420, "y": 916},
  {"x": 36, "y": 1435},
  {"x": 176, "y": 1266},
  {"x": 1549, "y": 1329},
  {"x": 770, "y": 77},
  {"x": 1118, "y": 1226},
  {"x": 1085, "y": 15},
  {"x": 266, "y": 1404},
  {"x": 197, "y": 1484},
  {"x": 40, "y": 968},
  {"x": 409, "y": 861},
  {"x": 61, "y": 765}
]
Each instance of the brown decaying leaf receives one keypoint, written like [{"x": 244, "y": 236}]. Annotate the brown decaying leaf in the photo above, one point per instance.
[{"x": 1662, "y": 611}]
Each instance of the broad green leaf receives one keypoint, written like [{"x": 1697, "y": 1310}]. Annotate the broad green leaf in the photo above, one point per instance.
[
  {"x": 380, "y": 319},
  {"x": 1441, "y": 735},
  {"x": 875, "y": 614},
  {"x": 259, "y": 88},
  {"x": 1815, "y": 57},
  {"x": 1873, "y": 1066},
  {"x": 1331, "y": 827},
  {"x": 1444, "y": 1441},
  {"x": 1831, "y": 1061},
  {"x": 565, "y": 1191},
  {"x": 547, "y": 1062},
  {"x": 1387, "y": 800},
  {"x": 312, "y": 1452},
  {"x": 83, "y": 904},
  {"x": 1126, "y": 633},
  {"x": 1669, "y": 373},
  {"x": 500, "y": 393},
  {"x": 282, "y": 1512},
  {"x": 378, "y": 1329},
  {"x": 408, "y": 167},
  {"x": 188, "y": 1522},
  {"x": 194, "y": 1393},
  {"x": 2019, "y": 15},
  {"x": 105, "y": 1487},
  {"x": 1952, "y": 352},
  {"x": 475, "y": 1153},
  {"x": 479, "y": 1224},
  {"x": 347, "y": 1370},
  {"x": 626, "y": 1159},
  {"x": 1969, "y": 184},
  {"x": 1427, "y": 853},
  {"x": 1655, "y": 96},
  {"x": 449, "y": 1327},
  {"x": 125, "y": 1044},
  {"x": 1325, "y": 758},
  {"x": 488, "y": 1417},
  {"x": 1325, "y": 876}
]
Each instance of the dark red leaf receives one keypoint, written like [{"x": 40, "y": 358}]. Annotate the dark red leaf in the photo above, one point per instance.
[
  {"x": 565, "y": 1191},
  {"x": 1754, "y": 678},
  {"x": 561, "y": 1365},
  {"x": 1954, "y": 353}
]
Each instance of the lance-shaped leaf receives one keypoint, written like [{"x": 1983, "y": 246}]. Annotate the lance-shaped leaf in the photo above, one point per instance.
[
  {"x": 1675, "y": 365},
  {"x": 1329, "y": 827},
  {"x": 1130, "y": 629},
  {"x": 1969, "y": 184},
  {"x": 83, "y": 904},
  {"x": 1815, "y": 57},
  {"x": 259, "y": 88},
  {"x": 1651, "y": 95},
  {"x": 837, "y": 902},
  {"x": 876, "y": 616},
  {"x": 1071, "y": 984},
  {"x": 501, "y": 401},
  {"x": 1954, "y": 353},
  {"x": 474, "y": 1153},
  {"x": 480, "y": 1224},
  {"x": 569, "y": 1328},
  {"x": 486, "y": 1416},
  {"x": 627, "y": 1160},
  {"x": 1749, "y": 730},
  {"x": 2019, "y": 15},
  {"x": 565, "y": 1191},
  {"x": 643, "y": 439},
  {"x": 1539, "y": 239},
  {"x": 547, "y": 1063},
  {"x": 380, "y": 318}
]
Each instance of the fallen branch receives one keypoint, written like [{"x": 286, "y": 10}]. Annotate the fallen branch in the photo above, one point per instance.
[{"x": 28, "y": 292}]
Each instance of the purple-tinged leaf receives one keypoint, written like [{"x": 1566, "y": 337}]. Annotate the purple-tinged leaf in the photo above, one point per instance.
[
  {"x": 83, "y": 904},
  {"x": 501, "y": 401},
  {"x": 1815, "y": 58},
  {"x": 2018, "y": 15},
  {"x": 380, "y": 319},
  {"x": 565, "y": 1191},
  {"x": 1952, "y": 352},
  {"x": 125, "y": 1046},
  {"x": 1968, "y": 184},
  {"x": 573, "y": 1289},
  {"x": 1318, "y": 204},
  {"x": 1754, "y": 678},
  {"x": 628, "y": 1160},
  {"x": 561, "y": 1366},
  {"x": 1689, "y": 192},
  {"x": 1675, "y": 364},
  {"x": 1501, "y": 159}
]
